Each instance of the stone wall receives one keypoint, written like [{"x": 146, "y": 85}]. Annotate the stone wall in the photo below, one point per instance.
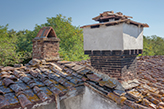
[{"x": 46, "y": 49}]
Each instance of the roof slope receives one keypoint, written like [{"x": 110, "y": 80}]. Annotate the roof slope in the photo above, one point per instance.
[{"x": 40, "y": 81}]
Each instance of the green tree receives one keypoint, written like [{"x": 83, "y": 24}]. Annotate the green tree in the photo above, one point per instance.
[
  {"x": 153, "y": 45},
  {"x": 8, "y": 54},
  {"x": 71, "y": 44}
]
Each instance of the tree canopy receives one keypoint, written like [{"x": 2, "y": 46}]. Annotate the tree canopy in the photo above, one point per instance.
[{"x": 16, "y": 47}]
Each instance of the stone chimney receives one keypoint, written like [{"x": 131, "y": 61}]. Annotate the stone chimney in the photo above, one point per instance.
[
  {"x": 113, "y": 44},
  {"x": 46, "y": 45}
]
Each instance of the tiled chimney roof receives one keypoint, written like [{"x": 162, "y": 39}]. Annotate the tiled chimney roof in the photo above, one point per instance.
[
  {"x": 110, "y": 18},
  {"x": 111, "y": 15},
  {"x": 46, "y": 32}
]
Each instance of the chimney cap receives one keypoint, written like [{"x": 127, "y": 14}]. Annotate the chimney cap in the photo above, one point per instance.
[
  {"x": 46, "y": 32},
  {"x": 110, "y": 15}
]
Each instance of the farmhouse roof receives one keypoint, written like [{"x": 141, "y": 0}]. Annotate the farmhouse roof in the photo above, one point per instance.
[{"x": 40, "y": 81}]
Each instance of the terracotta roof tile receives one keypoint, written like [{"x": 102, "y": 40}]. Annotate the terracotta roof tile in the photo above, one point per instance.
[
  {"x": 27, "y": 86},
  {"x": 3, "y": 102},
  {"x": 11, "y": 98}
]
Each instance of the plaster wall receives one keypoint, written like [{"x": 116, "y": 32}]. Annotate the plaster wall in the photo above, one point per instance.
[
  {"x": 103, "y": 38},
  {"x": 118, "y": 37},
  {"x": 88, "y": 100},
  {"x": 132, "y": 37}
]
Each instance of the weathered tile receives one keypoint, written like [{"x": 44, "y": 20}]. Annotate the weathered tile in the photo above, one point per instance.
[
  {"x": 1, "y": 83},
  {"x": 119, "y": 92},
  {"x": 84, "y": 79},
  {"x": 78, "y": 67},
  {"x": 8, "y": 82},
  {"x": 46, "y": 90},
  {"x": 34, "y": 73},
  {"x": 130, "y": 84},
  {"x": 23, "y": 86},
  {"x": 48, "y": 83},
  {"x": 67, "y": 70},
  {"x": 68, "y": 84},
  {"x": 41, "y": 94},
  {"x": 25, "y": 79},
  {"x": 69, "y": 77},
  {"x": 93, "y": 77},
  {"x": 31, "y": 96},
  {"x": 11, "y": 98},
  {"x": 84, "y": 72},
  {"x": 6, "y": 68},
  {"x": 61, "y": 80},
  {"x": 70, "y": 65},
  {"x": 40, "y": 84},
  {"x": 63, "y": 62},
  {"x": 145, "y": 102},
  {"x": 107, "y": 83},
  {"x": 55, "y": 90},
  {"x": 23, "y": 100},
  {"x": 3, "y": 102},
  {"x": 5, "y": 89},
  {"x": 16, "y": 88},
  {"x": 34, "y": 62},
  {"x": 75, "y": 80},
  {"x": 55, "y": 66},
  {"x": 117, "y": 99},
  {"x": 135, "y": 94},
  {"x": 152, "y": 99},
  {"x": 134, "y": 105}
]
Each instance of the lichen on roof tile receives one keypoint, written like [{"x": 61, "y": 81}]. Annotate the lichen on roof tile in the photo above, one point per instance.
[{"x": 37, "y": 84}]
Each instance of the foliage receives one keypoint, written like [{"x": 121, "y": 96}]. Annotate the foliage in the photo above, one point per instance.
[
  {"x": 8, "y": 54},
  {"x": 16, "y": 47},
  {"x": 153, "y": 45}
]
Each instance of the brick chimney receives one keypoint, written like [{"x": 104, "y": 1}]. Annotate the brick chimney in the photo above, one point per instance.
[
  {"x": 46, "y": 45},
  {"x": 113, "y": 44}
]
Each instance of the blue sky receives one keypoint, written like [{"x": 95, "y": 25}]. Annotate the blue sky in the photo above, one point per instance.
[{"x": 24, "y": 14}]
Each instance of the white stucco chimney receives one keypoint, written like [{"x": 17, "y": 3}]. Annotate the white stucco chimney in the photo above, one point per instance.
[{"x": 113, "y": 44}]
